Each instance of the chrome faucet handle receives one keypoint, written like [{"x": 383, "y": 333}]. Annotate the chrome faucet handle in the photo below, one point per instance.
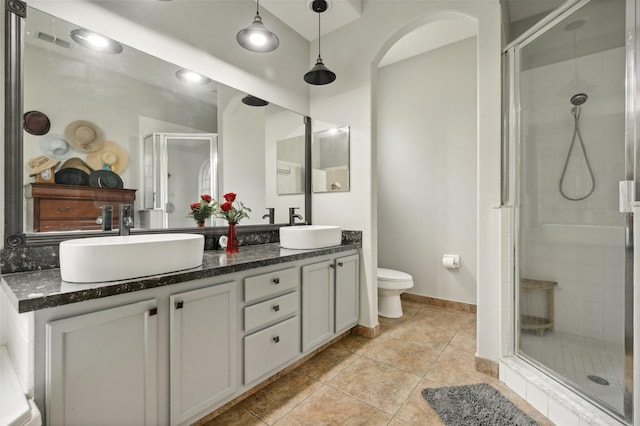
[
  {"x": 126, "y": 221},
  {"x": 106, "y": 219}
]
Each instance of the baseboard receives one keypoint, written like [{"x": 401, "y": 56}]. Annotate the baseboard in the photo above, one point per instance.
[
  {"x": 368, "y": 332},
  {"x": 487, "y": 366},
  {"x": 441, "y": 303}
]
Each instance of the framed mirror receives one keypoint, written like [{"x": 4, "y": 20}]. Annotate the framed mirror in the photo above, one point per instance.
[
  {"x": 180, "y": 140},
  {"x": 330, "y": 160}
]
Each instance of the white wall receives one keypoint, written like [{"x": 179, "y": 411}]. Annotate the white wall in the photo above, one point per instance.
[
  {"x": 426, "y": 169},
  {"x": 579, "y": 244},
  {"x": 352, "y": 99}
]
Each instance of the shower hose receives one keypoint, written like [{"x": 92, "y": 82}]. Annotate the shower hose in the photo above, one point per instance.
[{"x": 576, "y": 135}]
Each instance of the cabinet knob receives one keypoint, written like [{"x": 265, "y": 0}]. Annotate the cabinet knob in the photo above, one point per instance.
[
  {"x": 153, "y": 311},
  {"x": 276, "y": 308},
  {"x": 276, "y": 339},
  {"x": 64, "y": 209},
  {"x": 276, "y": 280},
  {"x": 332, "y": 266},
  {"x": 179, "y": 304},
  {"x": 340, "y": 263}
]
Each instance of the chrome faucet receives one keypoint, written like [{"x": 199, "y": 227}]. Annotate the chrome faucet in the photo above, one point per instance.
[
  {"x": 293, "y": 215},
  {"x": 125, "y": 220},
  {"x": 106, "y": 219},
  {"x": 271, "y": 215}
]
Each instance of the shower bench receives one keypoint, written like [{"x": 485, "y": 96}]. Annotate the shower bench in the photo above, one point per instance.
[{"x": 539, "y": 324}]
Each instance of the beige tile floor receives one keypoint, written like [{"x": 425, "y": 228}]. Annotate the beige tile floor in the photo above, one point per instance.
[{"x": 360, "y": 381}]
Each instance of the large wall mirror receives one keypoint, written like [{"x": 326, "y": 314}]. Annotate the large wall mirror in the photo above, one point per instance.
[{"x": 168, "y": 136}]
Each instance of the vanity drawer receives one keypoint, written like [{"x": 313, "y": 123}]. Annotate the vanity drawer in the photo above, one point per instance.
[
  {"x": 271, "y": 311},
  {"x": 271, "y": 284},
  {"x": 268, "y": 349}
]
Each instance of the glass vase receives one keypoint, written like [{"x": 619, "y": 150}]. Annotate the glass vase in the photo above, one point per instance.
[
  {"x": 232, "y": 238},
  {"x": 200, "y": 223}
]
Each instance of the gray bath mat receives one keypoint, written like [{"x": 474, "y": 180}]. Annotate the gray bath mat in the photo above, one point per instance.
[{"x": 475, "y": 405}]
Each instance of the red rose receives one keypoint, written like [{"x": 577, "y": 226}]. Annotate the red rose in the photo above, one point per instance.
[
  {"x": 206, "y": 197},
  {"x": 225, "y": 207},
  {"x": 230, "y": 197},
  {"x": 194, "y": 206}
]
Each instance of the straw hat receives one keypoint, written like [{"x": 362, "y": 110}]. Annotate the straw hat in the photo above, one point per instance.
[
  {"x": 40, "y": 164},
  {"x": 36, "y": 123},
  {"x": 74, "y": 171},
  {"x": 84, "y": 136},
  {"x": 111, "y": 157},
  {"x": 55, "y": 146}
]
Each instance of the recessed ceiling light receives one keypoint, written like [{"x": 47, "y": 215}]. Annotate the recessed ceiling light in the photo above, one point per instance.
[
  {"x": 191, "y": 77},
  {"x": 95, "y": 41}
]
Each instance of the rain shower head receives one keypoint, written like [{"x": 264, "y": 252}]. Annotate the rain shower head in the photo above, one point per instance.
[{"x": 579, "y": 99}]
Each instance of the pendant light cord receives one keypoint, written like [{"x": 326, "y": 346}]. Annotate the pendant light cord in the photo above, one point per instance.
[
  {"x": 319, "y": 56},
  {"x": 257, "y": 7}
]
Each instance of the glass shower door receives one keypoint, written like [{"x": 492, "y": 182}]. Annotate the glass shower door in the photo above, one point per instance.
[{"x": 572, "y": 251}]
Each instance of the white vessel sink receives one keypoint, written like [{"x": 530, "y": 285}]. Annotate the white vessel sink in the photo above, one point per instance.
[
  {"x": 113, "y": 258},
  {"x": 307, "y": 237}
]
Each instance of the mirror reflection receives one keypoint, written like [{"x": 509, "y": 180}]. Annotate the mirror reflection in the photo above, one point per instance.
[
  {"x": 150, "y": 128},
  {"x": 290, "y": 166},
  {"x": 330, "y": 160}
]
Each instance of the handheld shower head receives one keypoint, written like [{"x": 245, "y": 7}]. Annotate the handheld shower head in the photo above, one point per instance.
[{"x": 579, "y": 99}]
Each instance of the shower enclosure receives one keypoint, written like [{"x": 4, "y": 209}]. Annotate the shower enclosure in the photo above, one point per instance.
[{"x": 570, "y": 162}]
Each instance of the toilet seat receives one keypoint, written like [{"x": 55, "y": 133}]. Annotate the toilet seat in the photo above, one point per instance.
[{"x": 394, "y": 280}]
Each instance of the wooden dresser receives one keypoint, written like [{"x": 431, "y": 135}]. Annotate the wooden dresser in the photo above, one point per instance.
[{"x": 52, "y": 207}]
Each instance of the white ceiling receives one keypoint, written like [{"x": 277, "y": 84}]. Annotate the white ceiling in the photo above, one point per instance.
[
  {"x": 522, "y": 9},
  {"x": 299, "y": 16}
]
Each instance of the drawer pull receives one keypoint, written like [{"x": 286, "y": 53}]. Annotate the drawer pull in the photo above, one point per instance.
[
  {"x": 332, "y": 266},
  {"x": 63, "y": 209},
  {"x": 179, "y": 304},
  {"x": 276, "y": 308},
  {"x": 276, "y": 280},
  {"x": 153, "y": 311},
  {"x": 340, "y": 264},
  {"x": 276, "y": 339}
]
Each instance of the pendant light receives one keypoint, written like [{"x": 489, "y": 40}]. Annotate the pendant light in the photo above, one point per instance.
[
  {"x": 254, "y": 101},
  {"x": 256, "y": 37},
  {"x": 319, "y": 74}
]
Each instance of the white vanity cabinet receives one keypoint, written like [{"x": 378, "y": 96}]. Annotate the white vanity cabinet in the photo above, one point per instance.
[
  {"x": 271, "y": 321},
  {"x": 172, "y": 354},
  {"x": 101, "y": 367},
  {"x": 347, "y": 291},
  {"x": 329, "y": 299},
  {"x": 317, "y": 303},
  {"x": 202, "y": 349}
]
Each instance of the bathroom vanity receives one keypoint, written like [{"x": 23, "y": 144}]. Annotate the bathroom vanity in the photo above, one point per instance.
[{"x": 171, "y": 349}]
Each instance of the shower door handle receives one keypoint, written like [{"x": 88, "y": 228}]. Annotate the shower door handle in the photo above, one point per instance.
[{"x": 626, "y": 196}]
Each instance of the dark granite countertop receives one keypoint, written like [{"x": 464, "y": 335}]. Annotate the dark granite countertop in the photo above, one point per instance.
[{"x": 32, "y": 291}]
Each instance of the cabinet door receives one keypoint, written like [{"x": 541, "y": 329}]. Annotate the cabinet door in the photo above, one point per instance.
[
  {"x": 347, "y": 292},
  {"x": 203, "y": 349},
  {"x": 102, "y": 367},
  {"x": 317, "y": 304}
]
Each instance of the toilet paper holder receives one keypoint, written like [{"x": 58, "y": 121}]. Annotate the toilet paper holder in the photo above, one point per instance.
[{"x": 451, "y": 261}]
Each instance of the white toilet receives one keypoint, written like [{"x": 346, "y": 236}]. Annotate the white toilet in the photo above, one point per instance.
[{"x": 390, "y": 285}]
